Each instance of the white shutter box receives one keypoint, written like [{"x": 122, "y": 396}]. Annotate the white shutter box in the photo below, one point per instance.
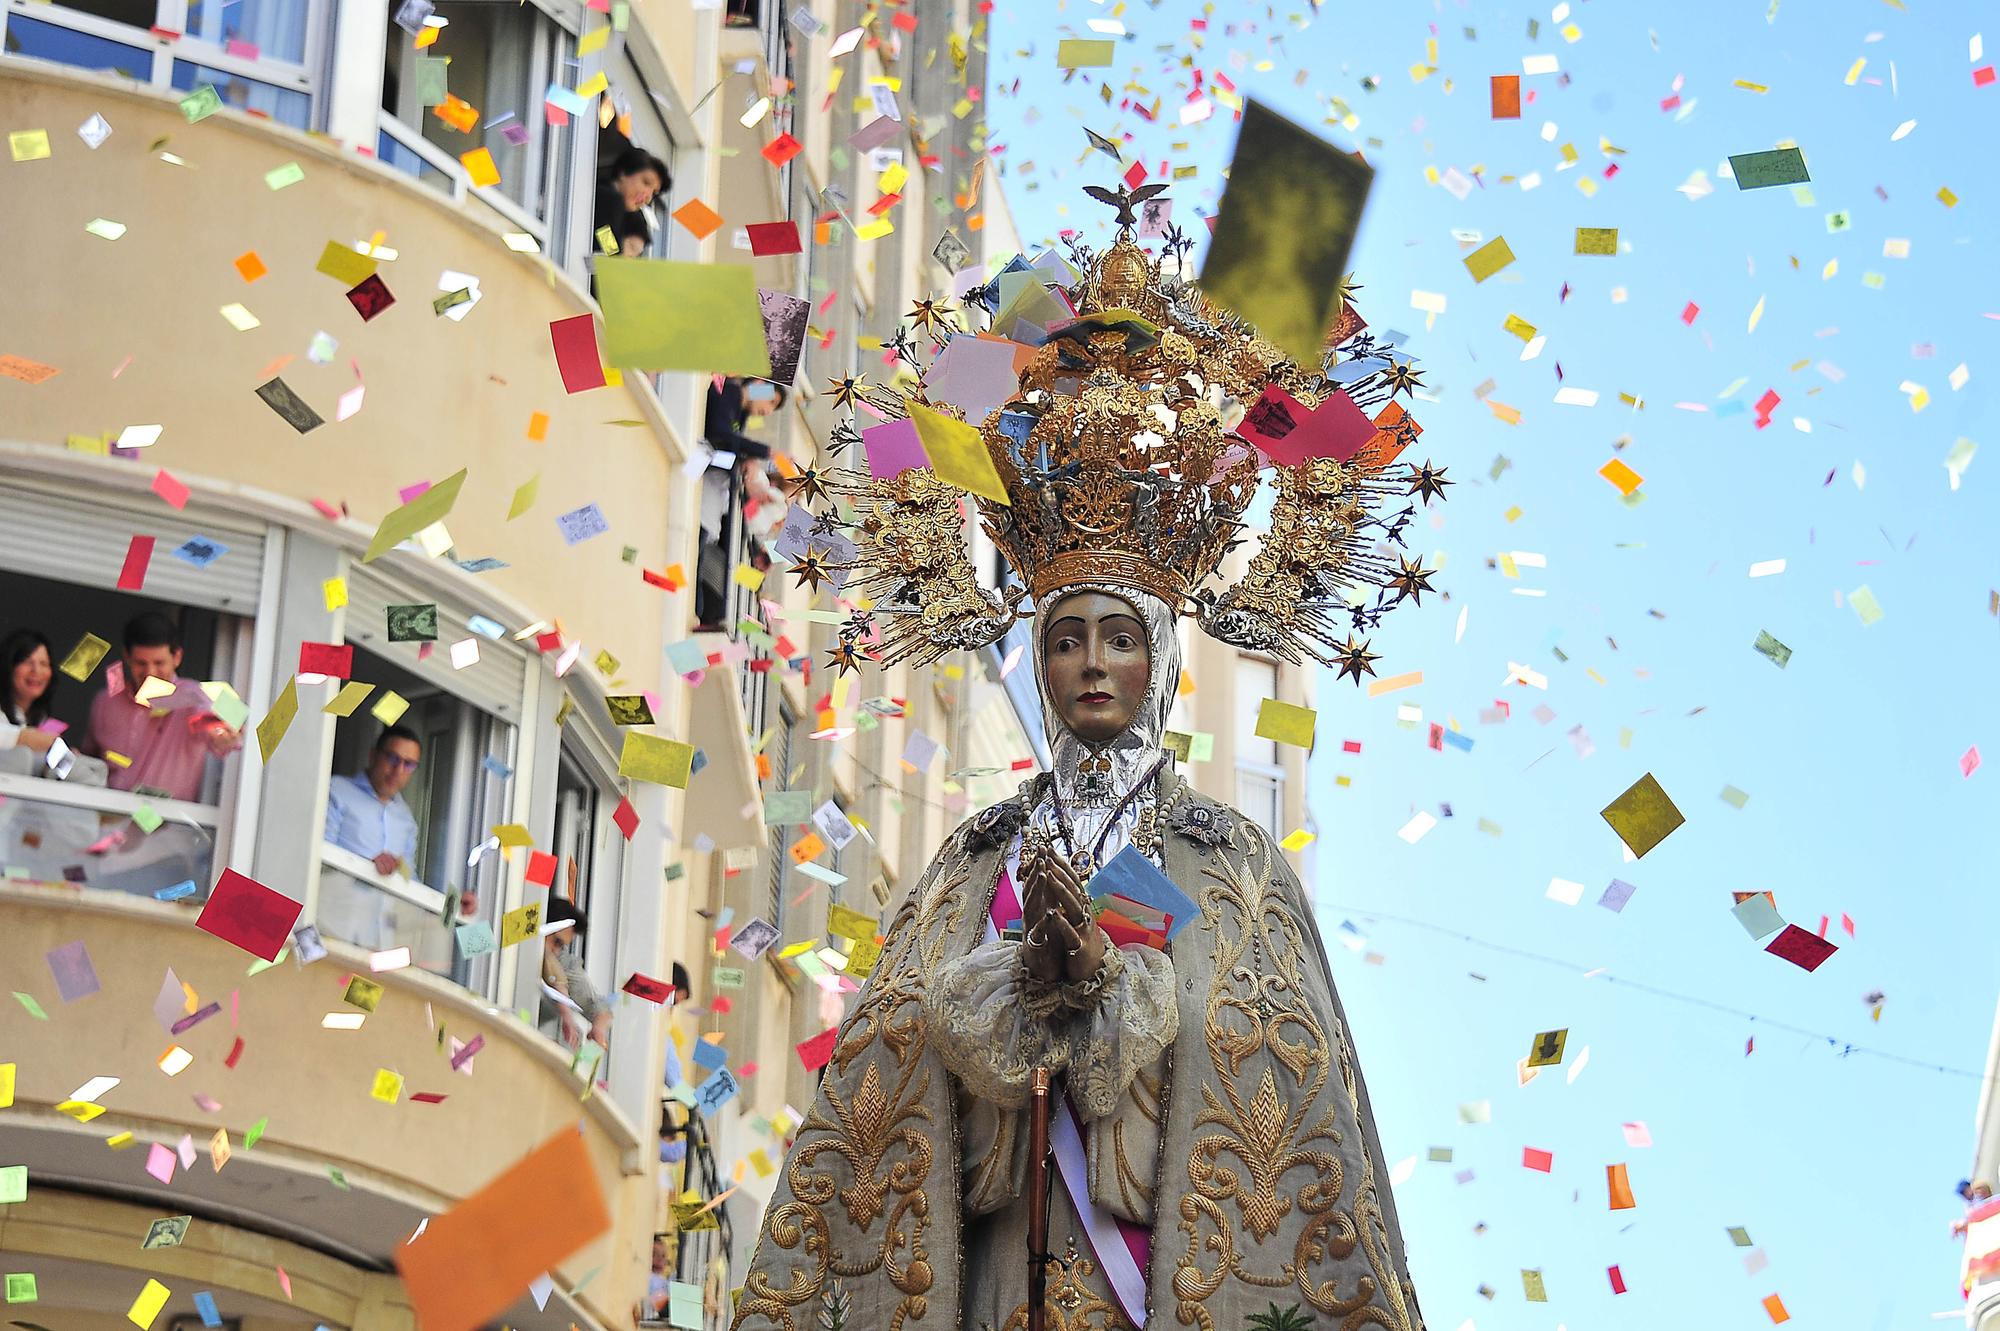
[
  {"x": 50, "y": 532},
  {"x": 495, "y": 683}
]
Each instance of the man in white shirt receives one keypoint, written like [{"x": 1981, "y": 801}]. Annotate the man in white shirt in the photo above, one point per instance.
[{"x": 366, "y": 813}]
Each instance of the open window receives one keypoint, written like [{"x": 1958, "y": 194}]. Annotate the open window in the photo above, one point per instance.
[
  {"x": 460, "y": 706},
  {"x": 92, "y": 825},
  {"x": 479, "y": 83},
  {"x": 61, "y": 559}
]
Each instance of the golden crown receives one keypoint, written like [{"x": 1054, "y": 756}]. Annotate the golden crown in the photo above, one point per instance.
[{"x": 1127, "y": 452}]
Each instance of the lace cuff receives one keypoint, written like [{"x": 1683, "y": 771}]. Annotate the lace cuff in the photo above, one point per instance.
[
  {"x": 1135, "y": 1019},
  {"x": 1062, "y": 1000},
  {"x": 978, "y": 1013}
]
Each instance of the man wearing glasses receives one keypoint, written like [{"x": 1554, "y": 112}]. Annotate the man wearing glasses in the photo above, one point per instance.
[{"x": 365, "y": 813}]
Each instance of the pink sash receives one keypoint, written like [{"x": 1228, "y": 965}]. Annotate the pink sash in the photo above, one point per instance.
[{"x": 1121, "y": 1248}]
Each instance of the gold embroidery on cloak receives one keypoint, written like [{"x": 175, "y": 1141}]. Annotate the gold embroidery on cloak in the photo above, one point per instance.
[
  {"x": 865, "y": 1129},
  {"x": 1258, "y": 1003}
]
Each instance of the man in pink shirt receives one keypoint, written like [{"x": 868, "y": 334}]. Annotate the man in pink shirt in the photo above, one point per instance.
[{"x": 161, "y": 733}]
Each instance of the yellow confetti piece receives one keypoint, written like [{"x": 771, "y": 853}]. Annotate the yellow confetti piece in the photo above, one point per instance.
[
  {"x": 1489, "y": 259},
  {"x": 1946, "y": 197},
  {"x": 388, "y": 1087},
  {"x": 1519, "y": 327},
  {"x": 1854, "y": 71},
  {"x": 1748, "y": 86},
  {"x": 1756, "y": 314},
  {"x": 1298, "y": 840},
  {"x": 333, "y": 592},
  {"x": 147, "y": 1306},
  {"x": 29, "y": 145}
]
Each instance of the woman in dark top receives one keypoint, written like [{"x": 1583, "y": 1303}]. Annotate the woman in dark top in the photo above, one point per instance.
[
  {"x": 27, "y": 686},
  {"x": 635, "y": 179}
]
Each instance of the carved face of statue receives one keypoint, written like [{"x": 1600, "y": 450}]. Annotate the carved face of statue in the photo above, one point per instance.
[{"x": 1097, "y": 664}]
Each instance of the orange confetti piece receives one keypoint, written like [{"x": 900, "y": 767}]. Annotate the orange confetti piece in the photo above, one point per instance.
[
  {"x": 1621, "y": 476},
  {"x": 698, "y": 218}
]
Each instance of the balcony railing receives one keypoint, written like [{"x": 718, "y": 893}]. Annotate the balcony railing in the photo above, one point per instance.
[
  {"x": 56, "y": 832},
  {"x": 382, "y": 911},
  {"x": 696, "y": 1251}
]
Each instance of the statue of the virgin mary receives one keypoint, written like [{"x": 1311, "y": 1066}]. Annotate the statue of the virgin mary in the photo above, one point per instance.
[{"x": 1142, "y": 952}]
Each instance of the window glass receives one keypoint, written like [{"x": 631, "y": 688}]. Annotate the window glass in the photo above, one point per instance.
[
  {"x": 277, "y": 28},
  {"x": 411, "y": 162},
  {"x": 284, "y": 105},
  {"x": 81, "y": 50},
  {"x": 498, "y": 52},
  {"x": 1256, "y": 680},
  {"x": 590, "y": 849},
  {"x": 138, "y": 13},
  {"x": 780, "y": 751},
  {"x": 1258, "y": 798}
]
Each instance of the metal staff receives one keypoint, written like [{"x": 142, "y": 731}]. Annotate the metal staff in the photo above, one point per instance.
[{"x": 1038, "y": 1201}]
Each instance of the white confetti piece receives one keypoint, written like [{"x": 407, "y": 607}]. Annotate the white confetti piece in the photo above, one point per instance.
[{"x": 1414, "y": 830}]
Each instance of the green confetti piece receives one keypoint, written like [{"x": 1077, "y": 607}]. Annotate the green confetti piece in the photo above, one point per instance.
[
  {"x": 34, "y": 1008},
  {"x": 1780, "y": 654},
  {"x": 148, "y": 818},
  {"x": 1779, "y": 166},
  {"x": 13, "y": 1184},
  {"x": 202, "y": 103},
  {"x": 256, "y": 1133},
  {"x": 291, "y": 173},
  {"x": 1735, "y": 798},
  {"x": 1865, "y": 605},
  {"x": 339, "y": 1179},
  {"x": 21, "y": 1287}
]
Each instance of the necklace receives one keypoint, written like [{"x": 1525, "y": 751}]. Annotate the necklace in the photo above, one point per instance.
[
  {"x": 1093, "y": 779},
  {"x": 1085, "y": 861}
]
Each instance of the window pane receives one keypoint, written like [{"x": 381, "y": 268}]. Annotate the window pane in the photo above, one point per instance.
[
  {"x": 491, "y": 47},
  {"x": 138, "y": 13},
  {"x": 283, "y": 105},
  {"x": 1258, "y": 798},
  {"x": 1255, "y": 681},
  {"x": 410, "y": 162},
  {"x": 47, "y": 41},
  {"x": 277, "y": 28}
]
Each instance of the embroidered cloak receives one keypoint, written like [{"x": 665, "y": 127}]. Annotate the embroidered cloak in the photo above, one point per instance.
[{"x": 901, "y": 1203}]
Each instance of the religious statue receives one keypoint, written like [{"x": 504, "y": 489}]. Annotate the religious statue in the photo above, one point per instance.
[{"x": 1108, "y": 961}]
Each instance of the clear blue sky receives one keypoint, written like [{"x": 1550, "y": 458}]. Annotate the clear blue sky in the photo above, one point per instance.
[{"x": 1841, "y": 1168}]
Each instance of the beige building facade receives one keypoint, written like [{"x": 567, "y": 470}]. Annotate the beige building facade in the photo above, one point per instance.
[{"x": 129, "y": 268}]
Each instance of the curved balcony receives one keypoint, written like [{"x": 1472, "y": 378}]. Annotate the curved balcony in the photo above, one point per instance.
[
  {"x": 321, "y": 1177},
  {"x": 136, "y": 328}
]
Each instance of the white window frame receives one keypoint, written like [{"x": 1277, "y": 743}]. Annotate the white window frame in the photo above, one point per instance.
[{"x": 303, "y": 77}]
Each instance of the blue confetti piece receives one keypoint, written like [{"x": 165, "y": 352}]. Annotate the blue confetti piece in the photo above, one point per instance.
[
  {"x": 176, "y": 892},
  {"x": 200, "y": 551},
  {"x": 204, "y": 1303}
]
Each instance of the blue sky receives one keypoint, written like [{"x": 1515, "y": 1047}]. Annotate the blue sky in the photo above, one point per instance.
[{"x": 1841, "y": 1168}]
